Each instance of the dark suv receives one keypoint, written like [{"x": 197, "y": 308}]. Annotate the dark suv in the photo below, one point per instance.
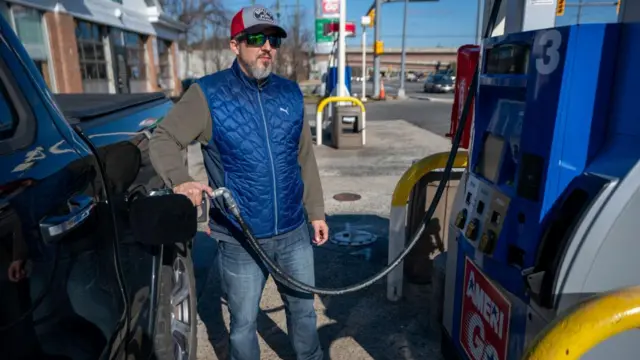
[{"x": 95, "y": 254}]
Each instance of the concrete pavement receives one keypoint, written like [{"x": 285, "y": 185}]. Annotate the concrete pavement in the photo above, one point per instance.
[{"x": 362, "y": 325}]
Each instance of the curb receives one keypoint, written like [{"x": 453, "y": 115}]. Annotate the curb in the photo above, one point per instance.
[
  {"x": 429, "y": 98},
  {"x": 448, "y": 101}
]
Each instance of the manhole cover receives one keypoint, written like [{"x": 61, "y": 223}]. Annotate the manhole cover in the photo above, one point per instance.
[
  {"x": 347, "y": 197},
  {"x": 353, "y": 238}
]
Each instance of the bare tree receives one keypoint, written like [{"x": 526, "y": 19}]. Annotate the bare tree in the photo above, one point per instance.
[
  {"x": 202, "y": 17},
  {"x": 293, "y": 58},
  {"x": 218, "y": 46}
]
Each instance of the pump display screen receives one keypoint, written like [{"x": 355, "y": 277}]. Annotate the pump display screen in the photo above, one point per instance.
[
  {"x": 490, "y": 157},
  {"x": 509, "y": 59}
]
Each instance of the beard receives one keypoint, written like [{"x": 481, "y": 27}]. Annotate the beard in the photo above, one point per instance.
[{"x": 260, "y": 67}]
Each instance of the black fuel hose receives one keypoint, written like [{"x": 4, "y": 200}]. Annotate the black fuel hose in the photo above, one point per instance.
[{"x": 289, "y": 281}]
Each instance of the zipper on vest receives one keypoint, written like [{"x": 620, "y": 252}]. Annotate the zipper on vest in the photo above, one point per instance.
[{"x": 273, "y": 168}]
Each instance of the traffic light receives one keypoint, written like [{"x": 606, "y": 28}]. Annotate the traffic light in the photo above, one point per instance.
[
  {"x": 378, "y": 48},
  {"x": 372, "y": 16}
]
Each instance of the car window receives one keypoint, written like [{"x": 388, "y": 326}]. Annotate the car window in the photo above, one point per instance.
[
  {"x": 441, "y": 79},
  {"x": 8, "y": 115},
  {"x": 17, "y": 120}
]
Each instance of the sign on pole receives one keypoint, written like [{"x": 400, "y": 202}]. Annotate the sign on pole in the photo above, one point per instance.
[
  {"x": 331, "y": 7},
  {"x": 327, "y": 11}
]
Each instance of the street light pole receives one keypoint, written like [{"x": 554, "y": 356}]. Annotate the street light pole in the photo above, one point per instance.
[
  {"x": 479, "y": 22},
  {"x": 403, "y": 66},
  {"x": 365, "y": 22},
  {"x": 376, "y": 57},
  {"x": 341, "y": 48}
]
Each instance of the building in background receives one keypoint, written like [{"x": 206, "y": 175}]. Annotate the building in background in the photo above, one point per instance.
[
  {"x": 197, "y": 63},
  {"x": 99, "y": 46}
]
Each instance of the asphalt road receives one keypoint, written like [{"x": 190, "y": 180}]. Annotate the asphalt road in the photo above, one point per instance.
[
  {"x": 429, "y": 115},
  {"x": 412, "y": 89}
]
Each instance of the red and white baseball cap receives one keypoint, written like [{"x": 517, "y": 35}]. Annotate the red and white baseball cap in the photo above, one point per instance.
[{"x": 254, "y": 19}]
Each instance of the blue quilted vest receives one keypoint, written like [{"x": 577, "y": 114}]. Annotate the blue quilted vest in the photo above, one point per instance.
[{"x": 254, "y": 151}]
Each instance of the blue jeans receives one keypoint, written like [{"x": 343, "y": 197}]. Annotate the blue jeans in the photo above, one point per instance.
[{"x": 243, "y": 278}]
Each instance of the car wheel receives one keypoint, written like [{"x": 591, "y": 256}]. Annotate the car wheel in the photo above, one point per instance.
[{"x": 176, "y": 335}]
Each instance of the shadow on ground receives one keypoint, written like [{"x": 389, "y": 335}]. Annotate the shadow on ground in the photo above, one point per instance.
[
  {"x": 385, "y": 330},
  {"x": 364, "y": 319}
]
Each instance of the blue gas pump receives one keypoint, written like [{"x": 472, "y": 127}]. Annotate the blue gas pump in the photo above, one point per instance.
[
  {"x": 332, "y": 79},
  {"x": 548, "y": 136}
]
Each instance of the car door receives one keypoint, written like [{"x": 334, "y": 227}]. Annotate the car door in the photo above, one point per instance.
[
  {"x": 70, "y": 303},
  {"x": 122, "y": 142}
]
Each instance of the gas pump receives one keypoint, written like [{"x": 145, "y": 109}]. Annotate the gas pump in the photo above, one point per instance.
[{"x": 556, "y": 137}]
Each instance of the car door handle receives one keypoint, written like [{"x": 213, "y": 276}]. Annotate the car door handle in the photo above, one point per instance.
[{"x": 53, "y": 227}]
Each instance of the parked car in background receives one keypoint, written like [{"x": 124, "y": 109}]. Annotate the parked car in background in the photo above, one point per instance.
[
  {"x": 439, "y": 83},
  {"x": 86, "y": 270}
]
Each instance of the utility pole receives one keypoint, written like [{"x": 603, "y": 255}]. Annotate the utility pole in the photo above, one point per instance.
[
  {"x": 277, "y": 10},
  {"x": 376, "y": 57},
  {"x": 479, "y": 22},
  {"x": 341, "y": 49},
  {"x": 403, "y": 62}
]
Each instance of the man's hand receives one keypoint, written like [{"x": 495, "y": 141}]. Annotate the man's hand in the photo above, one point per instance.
[
  {"x": 193, "y": 190},
  {"x": 321, "y": 232},
  {"x": 16, "y": 271}
]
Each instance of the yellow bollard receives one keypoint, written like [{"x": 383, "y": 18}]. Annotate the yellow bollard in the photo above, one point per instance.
[
  {"x": 398, "y": 215},
  {"x": 332, "y": 99},
  {"x": 571, "y": 336}
]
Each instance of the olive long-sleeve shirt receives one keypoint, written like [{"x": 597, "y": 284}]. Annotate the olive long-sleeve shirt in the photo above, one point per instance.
[{"x": 190, "y": 120}]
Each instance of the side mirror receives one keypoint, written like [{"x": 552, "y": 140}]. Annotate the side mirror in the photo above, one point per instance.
[{"x": 163, "y": 219}]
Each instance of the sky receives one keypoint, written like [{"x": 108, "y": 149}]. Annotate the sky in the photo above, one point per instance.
[{"x": 446, "y": 23}]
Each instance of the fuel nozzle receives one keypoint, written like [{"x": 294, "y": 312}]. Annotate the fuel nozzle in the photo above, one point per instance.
[
  {"x": 231, "y": 202},
  {"x": 226, "y": 194}
]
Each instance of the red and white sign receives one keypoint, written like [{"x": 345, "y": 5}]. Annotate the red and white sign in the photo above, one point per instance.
[
  {"x": 330, "y": 7},
  {"x": 334, "y": 28},
  {"x": 485, "y": 316}
]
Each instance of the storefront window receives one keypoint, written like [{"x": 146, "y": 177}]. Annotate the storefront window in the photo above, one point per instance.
[
  {"x": 30, "y": 30},
  {"x": 164, "y": 62},
  {"x": 28, "y": 25},
  {"x": 93, "y": 62},
  {"x": 134, "y": 44}
]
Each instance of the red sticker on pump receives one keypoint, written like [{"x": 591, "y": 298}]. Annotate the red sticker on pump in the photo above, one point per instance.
[{"x": 485, "y": 316}]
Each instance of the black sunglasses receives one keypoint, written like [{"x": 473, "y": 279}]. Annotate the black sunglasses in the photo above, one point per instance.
[{"x": 259, "y": 39}]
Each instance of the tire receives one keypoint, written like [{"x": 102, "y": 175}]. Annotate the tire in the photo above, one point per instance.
[{"x": 177, "y": 282}]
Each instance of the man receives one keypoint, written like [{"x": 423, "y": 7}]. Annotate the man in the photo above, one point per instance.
[{"x": 256, "y": 143}]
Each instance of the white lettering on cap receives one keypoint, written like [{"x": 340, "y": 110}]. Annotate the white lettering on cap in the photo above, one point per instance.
[{"x": 262, "y": 14}]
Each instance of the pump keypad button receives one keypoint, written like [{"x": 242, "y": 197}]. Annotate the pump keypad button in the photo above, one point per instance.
[
  {"x": 461, "y": 219},
  {"x": 472, "y": 229},
  {"x": 487, "y": 242}
]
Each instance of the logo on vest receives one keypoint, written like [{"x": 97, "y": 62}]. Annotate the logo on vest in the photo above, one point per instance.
[{"x": 262, "y": 14}]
